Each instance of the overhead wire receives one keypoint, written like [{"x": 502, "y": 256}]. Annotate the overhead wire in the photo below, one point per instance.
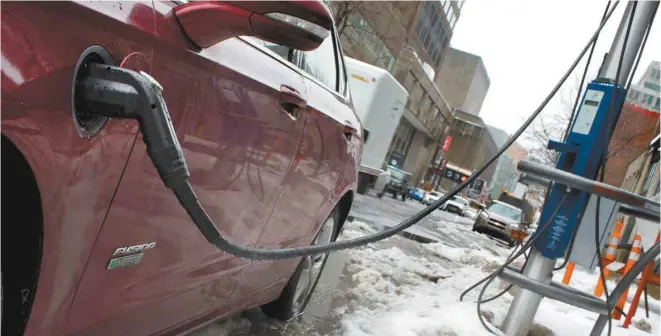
[
  {"x": 566, "y": 133},
  {"x": 490, "y": 278},
  {"x": 187, "y": 198},
  {"x": 602, "y": 166},
  {"x": 527, "y": 123}
]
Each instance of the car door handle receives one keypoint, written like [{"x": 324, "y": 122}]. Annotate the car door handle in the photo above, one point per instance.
[{"x": 291, "y": 100}]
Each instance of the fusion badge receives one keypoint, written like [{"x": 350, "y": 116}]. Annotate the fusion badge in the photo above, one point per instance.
[{"x": 125, "y": 261}]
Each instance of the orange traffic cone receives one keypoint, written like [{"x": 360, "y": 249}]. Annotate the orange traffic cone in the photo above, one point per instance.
[
  {"x": 633, "y": 257},
  {"x": 610, "y": 256}
]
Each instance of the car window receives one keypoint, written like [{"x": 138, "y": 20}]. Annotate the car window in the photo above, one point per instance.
[
  {"x": 321, "y": 63},
  {"x": 505, "y": 211},
  {"x": 280, "y": 50}
]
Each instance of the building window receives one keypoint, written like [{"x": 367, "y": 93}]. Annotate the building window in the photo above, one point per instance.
[
  {"x": 430, "y": 29},
  {"x": 649, "y": 99},
  {"x": 656, "y": 106},
  {"x": 633, "y": 95},
  {"x": 656, "y": 73},
  {"x": 652, "y": 86},
  {"x": 402, "y": 137}
]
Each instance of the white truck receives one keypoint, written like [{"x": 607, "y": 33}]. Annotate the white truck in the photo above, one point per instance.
[{"x": 379, "y": 101}]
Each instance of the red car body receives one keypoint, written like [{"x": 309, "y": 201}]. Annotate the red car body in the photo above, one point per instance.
[{"x": 265, "y": 178}]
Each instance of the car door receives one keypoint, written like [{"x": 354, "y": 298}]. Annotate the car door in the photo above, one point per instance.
[
  {"x": 77, "y": 171},
  {"x": 239, "y": 143},
  {"x": 324, "y": 165}
]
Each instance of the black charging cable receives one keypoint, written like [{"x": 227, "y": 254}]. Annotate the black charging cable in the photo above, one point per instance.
[{"x": 122, "y": 93}]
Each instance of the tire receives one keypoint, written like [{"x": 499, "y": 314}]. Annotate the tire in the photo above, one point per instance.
[
  {"x": 403, "y": 197},
  {"x": 380, "y": 195},
  {"x": 20, "y": 274},
  {"x": 291, "y": 303},
  {"x": 475, "y": 227}
]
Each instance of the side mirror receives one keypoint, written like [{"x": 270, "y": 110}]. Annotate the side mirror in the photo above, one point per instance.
[{"x": 301, "y": 25}]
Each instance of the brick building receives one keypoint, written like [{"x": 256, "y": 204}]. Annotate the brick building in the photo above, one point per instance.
[{"x": 635, "y": 129}]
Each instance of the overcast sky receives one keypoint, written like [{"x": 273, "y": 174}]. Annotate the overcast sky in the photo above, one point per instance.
[{"x": 527, "y": 46}]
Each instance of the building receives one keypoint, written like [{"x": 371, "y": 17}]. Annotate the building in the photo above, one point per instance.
[
  {"x": 470, "y": 147},
  {"x": 377, "y": 32},
  {"x": 642, "y": 177},
  {"x": 426, "y": 119},
  {"x": 635, "y": 128},
  {"x": 646, "y": 92},
  {"x": 405, "y": 38},
  {"x": 464, "y": 81},
  {"x": 505, "y": 174}
]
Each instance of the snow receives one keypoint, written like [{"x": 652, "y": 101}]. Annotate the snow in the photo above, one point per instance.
[
  {"x": 396, "y": 293},
  {"x": 398, "y": 287}
]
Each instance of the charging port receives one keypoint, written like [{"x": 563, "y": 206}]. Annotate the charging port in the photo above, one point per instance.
[{"x": 87, "y": 123}]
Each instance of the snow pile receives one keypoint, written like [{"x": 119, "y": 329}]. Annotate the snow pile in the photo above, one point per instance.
[{"x": 395, "y": 293}]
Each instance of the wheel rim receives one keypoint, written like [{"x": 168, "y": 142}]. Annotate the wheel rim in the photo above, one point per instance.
[{"x": 312, "y": 266}]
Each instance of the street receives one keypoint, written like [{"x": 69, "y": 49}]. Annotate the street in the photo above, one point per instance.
[{"x": 400, "y": 286}]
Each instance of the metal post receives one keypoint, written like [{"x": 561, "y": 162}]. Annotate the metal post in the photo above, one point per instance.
[
  {"x": 645, "y": 10},
  {"x": 524, "y": 306},
  {"x": 526, "y": 303}
]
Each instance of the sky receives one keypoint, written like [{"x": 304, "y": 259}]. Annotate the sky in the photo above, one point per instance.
[{"x": 526, "y": 47}]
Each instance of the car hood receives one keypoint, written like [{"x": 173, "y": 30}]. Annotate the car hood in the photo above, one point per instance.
[{"x": 500, "y": 218}]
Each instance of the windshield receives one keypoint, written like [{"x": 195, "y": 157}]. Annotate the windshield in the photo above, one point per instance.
[
  {"x": 397, "y": 174},
  {"x": 459, "y": 200},
  {"x": 505, "y": 211}
]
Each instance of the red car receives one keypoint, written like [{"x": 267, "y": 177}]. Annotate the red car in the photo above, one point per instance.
[{"x": 268, "y": 131}]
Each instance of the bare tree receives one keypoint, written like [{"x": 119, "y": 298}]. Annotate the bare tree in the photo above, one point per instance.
[
  {"x": 359, "y": 38},
  {"x": 551, "y": 127},
  {"x": 341, "y": 12}
]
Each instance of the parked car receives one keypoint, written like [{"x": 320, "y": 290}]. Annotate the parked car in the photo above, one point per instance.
[
  {"x": 455, "y": 205},
  {"x": 399, "y": 184},
  {"x": 498, "y": 220},
  {"x": 432, "y": 197},
  {"x": 417, "y": 194},
  {"x": 262, "y": 111}
]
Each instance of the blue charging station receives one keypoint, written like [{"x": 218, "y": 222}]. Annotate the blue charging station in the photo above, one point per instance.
[{"x": 586, "y": 142}]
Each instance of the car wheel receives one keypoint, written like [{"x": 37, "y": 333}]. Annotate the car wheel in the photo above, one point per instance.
[
  {"x": 475, "y": 227},
  {"x": 380, "y": 195},
  {"x": 298, "y": 291},
  {"x": 403, "y": 197}
]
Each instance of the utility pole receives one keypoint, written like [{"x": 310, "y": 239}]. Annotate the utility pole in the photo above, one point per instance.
[{"x": 580, "y": 154}]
